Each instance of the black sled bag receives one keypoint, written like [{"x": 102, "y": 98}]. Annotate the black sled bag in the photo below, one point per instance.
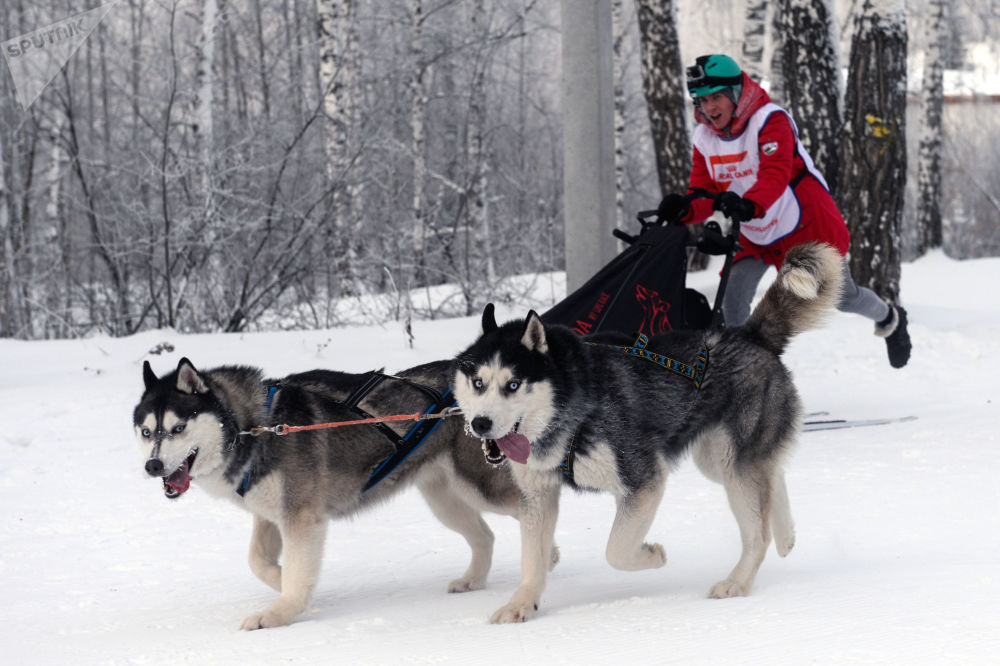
[{"x": 639, "y": 291}]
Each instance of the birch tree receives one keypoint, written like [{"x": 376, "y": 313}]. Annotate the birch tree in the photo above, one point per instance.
[
  {"x": 936, "y": 32},
  {"x": 338, "y": 73},
  {"x": 478, "y": 194},
  {"x": 6, "y": 249},
  {"x": 873, "y": 173},
  {"x": 777, "y": 67},
  {"x": 7, "y": 272},
  {"x": 204, "y": 99},
  {"x": 418, "y": 106},
  {"x": 811, "y": 86},
  {"x": 335, "y": 18},
  {"x": 754, "y": 33},
  {"x": 664, "y": 87},
  {"x": 618, "y": 29}
]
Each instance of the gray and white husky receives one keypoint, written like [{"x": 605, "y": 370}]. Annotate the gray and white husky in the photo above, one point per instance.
[
  {"x": 614, "y": 416},
  {"x": 189, "y": 424}
]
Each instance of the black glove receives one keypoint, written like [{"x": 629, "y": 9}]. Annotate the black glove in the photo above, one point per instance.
[
  {"x": 673, "y": 207},
  {"x": 735, "y": 207}
]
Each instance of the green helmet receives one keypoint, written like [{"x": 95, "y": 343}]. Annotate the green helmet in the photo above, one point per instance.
[{"x": 712, "y": 73}]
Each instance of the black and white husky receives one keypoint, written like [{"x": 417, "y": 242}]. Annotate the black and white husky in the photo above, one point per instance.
[
  {"x": 189, "y": 424},
  {"x": 615, "y": 416}
]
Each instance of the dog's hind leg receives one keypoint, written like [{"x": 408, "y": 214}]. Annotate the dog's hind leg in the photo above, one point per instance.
[
  {"x": 265, "y": 548},
  {"x": 781, "y": 515},
  {"x": 749, "y": 494},
  {"x": 457, "y": 514},
  {"x": 303, "y": 538},
  {"x": 626, "y": 549}
]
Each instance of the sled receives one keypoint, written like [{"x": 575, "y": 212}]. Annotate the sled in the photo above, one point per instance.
[{"x": 643, "y": 289}]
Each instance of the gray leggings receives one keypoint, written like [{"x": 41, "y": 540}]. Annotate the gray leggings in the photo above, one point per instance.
[{"x": 746, "y": 274}]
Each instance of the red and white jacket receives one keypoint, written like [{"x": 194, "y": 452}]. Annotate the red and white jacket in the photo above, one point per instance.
[{"x": 760, "y": 158}]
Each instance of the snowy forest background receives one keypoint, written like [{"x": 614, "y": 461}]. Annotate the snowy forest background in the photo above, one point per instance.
[{"x": 223, "y": 165}]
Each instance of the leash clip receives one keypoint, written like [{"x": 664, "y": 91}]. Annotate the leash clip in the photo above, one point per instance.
[{"x": 257, "y": 431}]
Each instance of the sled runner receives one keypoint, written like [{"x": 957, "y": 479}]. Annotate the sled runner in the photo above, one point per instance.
[{"x": 643, "y": 289}]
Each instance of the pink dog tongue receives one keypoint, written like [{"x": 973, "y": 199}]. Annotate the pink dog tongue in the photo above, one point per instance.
[
  {"x": 180, "y": 480},
  {"x": 516, "y": 446}
]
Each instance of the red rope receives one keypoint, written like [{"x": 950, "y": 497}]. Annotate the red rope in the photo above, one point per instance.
[{"x": 287, "y": 429}]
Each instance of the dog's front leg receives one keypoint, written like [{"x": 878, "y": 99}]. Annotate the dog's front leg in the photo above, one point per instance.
[
  {"x": 303, "y": 538},
  {"x": 538, "y": 513},
  {"x": 265, "y": 548}
]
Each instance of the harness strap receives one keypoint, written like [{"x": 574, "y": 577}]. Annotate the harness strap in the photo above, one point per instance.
[
  {"x": 369, "y": 384},
  {"x": 247, "y": 481},
  {"x": 694, "y": 372},
  {"x": 372, "y": 379},
  {"x": 567, "y": 464},
  {"x": 406, "y": 445},
  {"x": 403, "y": 446}
]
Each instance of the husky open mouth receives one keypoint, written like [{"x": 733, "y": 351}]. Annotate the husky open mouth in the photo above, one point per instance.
[
  {"x": 178, "y": 482},
  {"x": 492, "y": 452},
  {"x": 515, "y": 445}
]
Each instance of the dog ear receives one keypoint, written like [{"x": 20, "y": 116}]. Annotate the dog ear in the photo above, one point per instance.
[
  {"x": 534, "y": 334},
  {"x": 188, "y": 379},
  {"x": 148, "y": 376},
  {"x": 489, "y": 319}
]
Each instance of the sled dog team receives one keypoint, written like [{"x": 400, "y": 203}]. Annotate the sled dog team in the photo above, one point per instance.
[{"x": 548, "y": 408}]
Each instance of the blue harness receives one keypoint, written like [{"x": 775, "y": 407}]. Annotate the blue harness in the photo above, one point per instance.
[
  {"x": 403, "y": 446},
  {"x": 244, "y": 486}
]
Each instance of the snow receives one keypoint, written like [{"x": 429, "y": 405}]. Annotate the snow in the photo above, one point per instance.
[{"x": 896, "y": 556}]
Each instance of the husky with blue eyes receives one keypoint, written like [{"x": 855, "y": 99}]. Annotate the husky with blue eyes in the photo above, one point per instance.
[
  {"x": 193, "y": 425},
  {"x": 617, "y": 415}
]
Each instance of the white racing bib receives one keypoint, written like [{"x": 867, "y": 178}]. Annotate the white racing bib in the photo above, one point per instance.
[{"x": 734, "y": 164}]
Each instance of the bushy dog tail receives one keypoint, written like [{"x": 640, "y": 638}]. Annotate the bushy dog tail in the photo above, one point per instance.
[{"x": 807, "y": 289}]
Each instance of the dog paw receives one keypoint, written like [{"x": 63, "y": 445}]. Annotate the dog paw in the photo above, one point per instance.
[
  {"x": 466, "y": 584},
  {"x": 514, "y": 612},
  {"x": 728, "y": 588},
  {"x": 256, "y": 621},
  {"x": 555, "y": 557},
  {"x": 266, "y": 619},
  {"x": 656, "y": 555}
]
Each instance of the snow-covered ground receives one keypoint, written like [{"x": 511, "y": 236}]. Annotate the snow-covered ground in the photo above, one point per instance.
[{"x": 897, "y": 557}]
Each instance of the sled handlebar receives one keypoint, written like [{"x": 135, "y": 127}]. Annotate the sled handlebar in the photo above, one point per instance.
[{"x": 712, "y": 240}]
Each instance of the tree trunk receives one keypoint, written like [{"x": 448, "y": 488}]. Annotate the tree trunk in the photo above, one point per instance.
[
  {"x": 619, "y": 29},
  {"x": 810, "y": 61},
  {"x": 664, "y": 87},
  {"x": 265, "y": 87},
  {"x": 929, "y": 232},
  {"x": 204, "y": 97},
  {"x": 754, "y": 32},
  {"x": 873, "y": 173},
  {"x": 7, "y": 272},
  {"x": 418, "y": 105},
  {"x": 777, "y": 87},
  {"x": 478, "y": 162}
]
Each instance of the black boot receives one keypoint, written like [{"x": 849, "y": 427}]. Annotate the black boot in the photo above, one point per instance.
[{"x": 897, "y": 339}]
